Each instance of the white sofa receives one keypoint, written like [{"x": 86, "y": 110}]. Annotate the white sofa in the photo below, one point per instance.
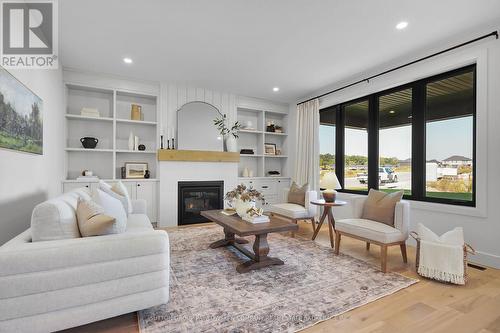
[{"x": 57, "y": 284}]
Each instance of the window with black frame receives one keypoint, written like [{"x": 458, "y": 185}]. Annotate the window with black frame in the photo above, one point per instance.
[{"x": 421, "y": 135}]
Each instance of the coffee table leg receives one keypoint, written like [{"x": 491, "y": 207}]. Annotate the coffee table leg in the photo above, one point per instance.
[
  {"x": 229, "y": 239},
  {"x": 261, "y": 250}
]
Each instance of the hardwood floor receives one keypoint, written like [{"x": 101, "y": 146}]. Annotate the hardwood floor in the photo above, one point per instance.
[{"x": 427, "y": 306}]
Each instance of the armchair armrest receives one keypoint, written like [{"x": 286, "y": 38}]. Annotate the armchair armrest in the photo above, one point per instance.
[
  {"x": 402, "y": 217},
  {"x": 357, "y": 206},
  {"x": 139, "y": 206},
  {"x": 312, "y": 209}
]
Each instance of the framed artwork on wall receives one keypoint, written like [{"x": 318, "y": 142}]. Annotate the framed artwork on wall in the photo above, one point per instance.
[{"x": 21, "y": 117}]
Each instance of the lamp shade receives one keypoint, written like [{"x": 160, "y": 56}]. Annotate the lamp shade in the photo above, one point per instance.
[{"x": 330, "y": 181}]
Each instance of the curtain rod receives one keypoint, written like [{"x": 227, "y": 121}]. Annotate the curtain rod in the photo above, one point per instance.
[{"x": 494, "y": 33}]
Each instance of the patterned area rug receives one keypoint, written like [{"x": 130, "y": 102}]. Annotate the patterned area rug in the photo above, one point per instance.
[{"x": 208, "y": 295}]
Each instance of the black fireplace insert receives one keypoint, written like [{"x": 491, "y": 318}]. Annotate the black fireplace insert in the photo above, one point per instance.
[{"x": 195, "y": 196}]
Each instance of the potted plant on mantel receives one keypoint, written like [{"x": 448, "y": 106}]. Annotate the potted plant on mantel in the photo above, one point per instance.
[
  {"x": 244, "y": 199},
  {"x": 230, "y": 134}
]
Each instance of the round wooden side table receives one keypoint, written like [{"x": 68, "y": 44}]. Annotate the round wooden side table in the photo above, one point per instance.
[{"x": 327, "y": 211}]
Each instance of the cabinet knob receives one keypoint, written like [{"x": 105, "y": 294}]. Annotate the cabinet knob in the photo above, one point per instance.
[
  {"x": 138, "y": 184},
  {"x": 86, "y": 186},
  {"x": 265, "y": 186}
]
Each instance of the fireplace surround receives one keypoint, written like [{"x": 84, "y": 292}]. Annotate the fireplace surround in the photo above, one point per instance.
[{"x": 195, "y": 196}]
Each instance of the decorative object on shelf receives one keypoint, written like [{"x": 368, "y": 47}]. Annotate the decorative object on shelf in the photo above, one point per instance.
[
  {"x": 135, "y": 170},
  {"x": 123, "y": 172},
  {"x": 243, "y": 199},
  {"x": 329, "y": 182},
  {"x": 136, "y": 142},
  {"x": 131, "y": 139},
  {"x": 90, "y": 112},
  {"x": 278, "y": 151},
  {"x": 270, "y": 127},
  {"x": 247, "y": 151},
  {"x": 250, "y": 173},
  {"x": 22, "y": 111},
  {"x": 89, "y": 142},
  {"x": 161, "y": 139},
  {"x": 245, "y": 172},
  {"x": 249, "y": 126},
  {"x": 141, "y": 147},
  {"x": 270, "y": 148},
  {"x": 87, "y": 173},
  {"x": 147, "y": 174},
  {"x": 136, "y": 112},
  {"x": 170, "y": 138},
  {"x": 230, "y": 135},
  {"x": 278, "y": 129},
  {"x": 274, "y": 173},
  {"x": 173, "y": 143}
]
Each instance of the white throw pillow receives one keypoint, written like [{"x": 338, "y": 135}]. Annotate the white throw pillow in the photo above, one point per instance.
[
  {"x": 118, "y": 191},
  {"x": 452, "y": 237},
  {"x": 114, "y": 208}
]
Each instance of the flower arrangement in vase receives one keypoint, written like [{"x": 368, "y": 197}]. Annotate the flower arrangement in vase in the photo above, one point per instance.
[
  {"x": 230, "y": 134},
  {"x": 244, "y": 199}
]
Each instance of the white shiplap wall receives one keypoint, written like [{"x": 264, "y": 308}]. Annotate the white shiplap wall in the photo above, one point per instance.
[{"x": 174, "y": 96}]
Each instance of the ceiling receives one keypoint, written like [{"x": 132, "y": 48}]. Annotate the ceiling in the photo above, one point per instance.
[{"x": 249, "y": 47}]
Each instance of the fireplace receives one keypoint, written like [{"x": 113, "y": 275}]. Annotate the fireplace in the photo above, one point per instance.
[{"x": 195, "y": 196}]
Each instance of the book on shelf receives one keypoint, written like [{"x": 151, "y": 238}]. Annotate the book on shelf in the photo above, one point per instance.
[
  {"x": 87, "y": 179},
  {"x": 90, "y": 112},
  {"x": 257, "y": 219}
]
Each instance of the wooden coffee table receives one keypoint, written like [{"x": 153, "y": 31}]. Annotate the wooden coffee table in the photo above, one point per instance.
[{"x": 234, "y": 225}]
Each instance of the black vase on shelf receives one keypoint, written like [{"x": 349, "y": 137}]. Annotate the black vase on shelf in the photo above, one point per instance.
[
  {"x": 141, "y": 147},
  {"x": 89, "y": 142},
  {"x": 147, "y": 175}
]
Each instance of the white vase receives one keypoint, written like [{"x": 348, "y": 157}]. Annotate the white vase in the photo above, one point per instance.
[
  {"x": 245, "y": 172},
  {"x": 243, "y": 206},
  {"x": 231, "y": 144},
  {"x": 131, "y": 141}
]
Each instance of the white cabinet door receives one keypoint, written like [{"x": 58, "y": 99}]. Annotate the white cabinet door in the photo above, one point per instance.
[
  {"x": 67, "y": 187},
  {"x": 282, "y": 184},
  {"x": 147, "y": 191}
]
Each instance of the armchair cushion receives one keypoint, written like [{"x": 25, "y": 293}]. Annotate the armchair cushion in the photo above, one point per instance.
[
  {"x": 379, "y": 206},
  {"x": 290, "y": 210},
  {"x": 371, "y": 230},
  {"x": 297, "y": 195}
]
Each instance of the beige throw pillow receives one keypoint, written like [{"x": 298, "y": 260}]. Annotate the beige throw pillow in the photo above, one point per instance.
[
  {"x": 297, "y": 195},
  {"x": 379, "y": 206},
  {"x": 91, "y": 219}
]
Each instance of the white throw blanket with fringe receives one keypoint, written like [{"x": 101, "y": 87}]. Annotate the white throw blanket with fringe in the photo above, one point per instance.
[{"x": 442, "y": 262}]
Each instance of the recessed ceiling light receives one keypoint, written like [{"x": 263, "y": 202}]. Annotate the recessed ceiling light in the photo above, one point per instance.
[
  {"x": 127, "y": 60},
  {"x": 401, "y": 25},
  {"x": 276, "y": 89},
  {"x": 392, "y": 111}
]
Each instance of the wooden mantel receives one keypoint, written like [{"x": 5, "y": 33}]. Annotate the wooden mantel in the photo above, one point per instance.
[{"x": 197, "y": 156}]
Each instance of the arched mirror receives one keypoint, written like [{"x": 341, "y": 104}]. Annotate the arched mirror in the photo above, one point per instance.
[{"x": 195, "y": 127}]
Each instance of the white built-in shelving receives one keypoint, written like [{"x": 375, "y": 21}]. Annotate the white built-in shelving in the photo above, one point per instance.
[
  {"x": 112, "y": 129},
  {"x": 254, "y": 136}
]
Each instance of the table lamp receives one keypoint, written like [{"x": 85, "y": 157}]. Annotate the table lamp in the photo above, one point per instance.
[{"x": 330, "y": 183}]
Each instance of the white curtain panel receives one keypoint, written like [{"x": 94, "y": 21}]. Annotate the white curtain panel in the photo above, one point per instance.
[{"x": 307, "y": 158}]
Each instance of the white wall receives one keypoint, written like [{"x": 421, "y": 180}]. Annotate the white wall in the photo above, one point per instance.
[
  {"x": 27, "y": 179},
  {"x": 481, "y": 224}
]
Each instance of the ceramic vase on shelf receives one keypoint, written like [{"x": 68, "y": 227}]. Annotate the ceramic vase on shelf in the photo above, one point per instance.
[
  {"x": 131, "y": 141},
  {"x": 243, "y": 206},
  {"x": 231, "y": 144},
  {"x": 245, "y": 172}
]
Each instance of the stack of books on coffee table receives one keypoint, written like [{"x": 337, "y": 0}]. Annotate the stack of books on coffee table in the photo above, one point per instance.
[{"x": 257, "y": 219}]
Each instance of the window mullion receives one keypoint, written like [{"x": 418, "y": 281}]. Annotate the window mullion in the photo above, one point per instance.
[
  {"x": 373, "y": 143},
  {"x": 339, "y": 144},
  {"x": 418, "y": 141}
]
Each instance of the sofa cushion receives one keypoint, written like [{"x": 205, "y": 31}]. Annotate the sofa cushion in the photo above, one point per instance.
[
  {"x": 379, "y": 206},
  {"x": 369, "y": 229},
  {"x": 56, "y": 218},
  {"x": 297, "y": 195},
  {"x": 91, "y": 219},
  {"x": 118, "y": 191},
  {"x": 114, "y": 208},
  {"x": 290, "y": 210}
]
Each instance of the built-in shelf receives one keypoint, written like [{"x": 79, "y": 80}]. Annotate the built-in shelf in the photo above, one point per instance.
[
  {"x": 138, "y": 122},
  {"x": 135, "y": 151},
  {"x": 250, "y": 131},
  {"x": 79, "y": 117},
  {"x": 111, "y": 180},
  {"x": 274, "y": 133},
  {"x": 89, "y": 150},
  {"x": 276, "y": 156},
  {"x": 251, "y": 155}
]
